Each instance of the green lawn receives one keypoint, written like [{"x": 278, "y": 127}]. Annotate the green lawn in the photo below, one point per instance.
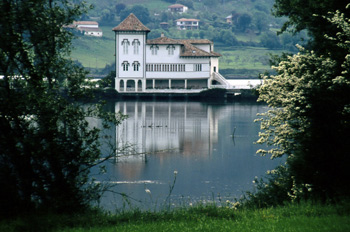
[
  {"x": 287, "y": 219},
  {"x": 302, "y": 217},
  {"x": 155, "y": 5},
  {"x": 246, "y": 57},
  {"x": 94, "y": 52}
]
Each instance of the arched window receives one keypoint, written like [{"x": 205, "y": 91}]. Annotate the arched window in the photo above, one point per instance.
[
  {"x": 136, "y": 65},
  {"x": 125, "y": 65},
  {"x": 125, "y": 44},
  {"x": 170, "y": 49},
  {"x": 136, "y": 44},
  {"x": 154, "y": 49}
]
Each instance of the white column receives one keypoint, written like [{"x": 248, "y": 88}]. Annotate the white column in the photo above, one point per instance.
[
  {"x": 154, "y": 83},
  {"x": 169, "y": 83},
  {"x": 125, "y": 84},
  {"x": 136, "y": 85},
  {"x": 185, "y": 83},
  {"x": 144, "y": 82},
  {"x": 117, "y": 84}
]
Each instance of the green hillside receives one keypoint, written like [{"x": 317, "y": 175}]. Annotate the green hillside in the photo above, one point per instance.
[
  {"x": 94, "y": 52},
  {"x": 244, "y": 46}
]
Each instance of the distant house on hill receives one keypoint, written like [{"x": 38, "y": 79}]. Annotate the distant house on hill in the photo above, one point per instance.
[
  {"x": 232, "y": 18},
  {"x": 229, "y": 19},
  {"x": 178, "y": 8},
  {"x": 164, "y": 25},
  {"x": 88, "y": 28},
  {"x": 90, "y": 24},
  {"x": 187, "y": 24}
]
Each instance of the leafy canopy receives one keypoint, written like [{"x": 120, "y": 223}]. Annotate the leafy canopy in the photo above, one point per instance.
[
  {"x": 309, "y": 15},
  {"x": 46, "y": 145},
  {"x": 309, "y": 115}
]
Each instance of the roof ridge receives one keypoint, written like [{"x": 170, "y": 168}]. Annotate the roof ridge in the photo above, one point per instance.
[
  {"x": 164, "y": 40},
  {"x": 131, "y": 23},
  {"x": 176, "y": 4},
  {"x": 191, "y": 50}
]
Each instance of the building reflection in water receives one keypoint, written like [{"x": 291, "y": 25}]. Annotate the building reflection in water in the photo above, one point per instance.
[
  {"x": 161, "y": 127},
  {"x": 192, "y": 138}
]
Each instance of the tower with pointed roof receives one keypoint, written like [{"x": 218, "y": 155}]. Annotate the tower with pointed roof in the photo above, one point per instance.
[
  {"x": 130, "y": 54},
  {"x": 163, "y": 64}
]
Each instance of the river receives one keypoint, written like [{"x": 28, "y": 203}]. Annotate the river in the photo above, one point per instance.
[{"x": 207, "y": 149}]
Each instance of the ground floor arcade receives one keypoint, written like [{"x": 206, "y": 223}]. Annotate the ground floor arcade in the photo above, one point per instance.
[{"x": 144, "y": 85}]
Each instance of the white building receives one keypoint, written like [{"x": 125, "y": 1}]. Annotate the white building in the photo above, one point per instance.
[
  {"x": 88, "y": 28},
  {"x": 187, "y": 24},
  {"x": 163, "y": 64},
  {"x": 178, "y": 8},
  {"x": 89, "y": 24}
]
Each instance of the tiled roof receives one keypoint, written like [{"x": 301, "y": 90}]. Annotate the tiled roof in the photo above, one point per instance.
[
  {"x": 176, "y": 6},
  {"x": 85, "y": 23},
  {"x": 131, "y": 23},
  {"x": 187, "y": 20},
  {"x": 187, "y": 48},
  {"x": 164, "y": 40},
  {"x": 200, "y": 41}
]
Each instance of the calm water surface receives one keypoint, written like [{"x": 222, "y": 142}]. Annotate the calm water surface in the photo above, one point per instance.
[{"x": 210, "y": 147}]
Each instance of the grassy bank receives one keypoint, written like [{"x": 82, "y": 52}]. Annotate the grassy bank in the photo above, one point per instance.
[{"x": 293, "y": 217}]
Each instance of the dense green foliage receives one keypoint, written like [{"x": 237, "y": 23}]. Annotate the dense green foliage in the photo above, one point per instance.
[
  {"x": 309, "y": 15},
  {"x": 309, "y": 114},
  {"x": 46, "y": 145},
  {"x": 141, "y": 13},
  {"x": 248, "y": 17},
  {"x": 292, "y": 218}
]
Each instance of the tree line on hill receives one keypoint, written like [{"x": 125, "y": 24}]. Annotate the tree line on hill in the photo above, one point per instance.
[{"x": 257, "y": 26}]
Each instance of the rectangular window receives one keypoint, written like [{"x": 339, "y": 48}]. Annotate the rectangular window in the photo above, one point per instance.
[
  {"x": 182, "y": 68},
  {"x": 198, "y": 67}
]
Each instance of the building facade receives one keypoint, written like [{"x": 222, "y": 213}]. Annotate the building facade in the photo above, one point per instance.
[
  {"x": 163, "y": 64},
  {"x": 178, "y": 8},
  {"x": 187, "y": 24},
  {"x": 89, "y": 28}
]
